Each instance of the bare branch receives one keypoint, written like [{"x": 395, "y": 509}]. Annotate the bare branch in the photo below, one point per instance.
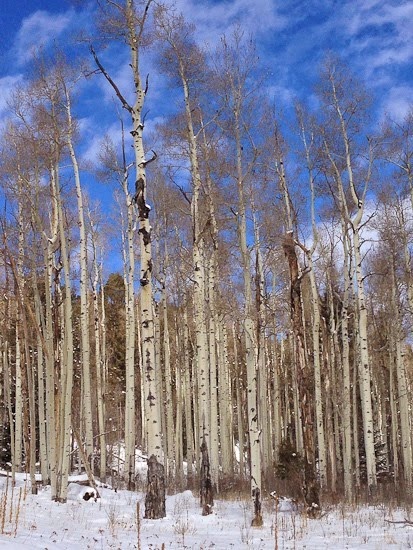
[
  {"x": 145, "y": 163},
  {"x": 118, "y": 93}
]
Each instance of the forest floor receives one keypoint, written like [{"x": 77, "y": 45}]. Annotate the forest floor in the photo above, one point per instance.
[{"x": 35, "y": 522}]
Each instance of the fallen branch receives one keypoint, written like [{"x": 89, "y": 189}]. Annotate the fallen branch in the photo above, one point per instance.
[{"x": 404, "y": 522}]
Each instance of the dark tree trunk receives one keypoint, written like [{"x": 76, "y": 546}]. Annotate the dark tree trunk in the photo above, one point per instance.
[
  {"x": 305, "y": 382},
  {"x": 206, "y": 492},
  {"x": 155, "y": 495},
  {"x": 257, "y": 520}
]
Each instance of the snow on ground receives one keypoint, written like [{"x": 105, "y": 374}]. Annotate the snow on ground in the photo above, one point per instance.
[{"x": 35, "y": 522}]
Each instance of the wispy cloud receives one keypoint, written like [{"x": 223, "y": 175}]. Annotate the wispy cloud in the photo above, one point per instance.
[
  {"x": 381, "y": 32},
  {"x": 398, "y": 103},
  {"x": 40, "y": 29},
  {"x": 213, "y": 19}
]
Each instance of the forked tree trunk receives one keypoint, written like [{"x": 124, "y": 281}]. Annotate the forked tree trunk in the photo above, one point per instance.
[{"x": 354, "y": 221}]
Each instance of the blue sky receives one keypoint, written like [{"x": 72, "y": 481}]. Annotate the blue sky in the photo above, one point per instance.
[{"x": 293, "y": 36}]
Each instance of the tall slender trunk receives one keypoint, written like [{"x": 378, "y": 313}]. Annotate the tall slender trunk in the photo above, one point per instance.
[
  {"x": 319, "y": 416},
  {"x": 364, "y": 369},
  {"x": 169, "y": 397},
  {"x": 240, "y": 402},
  {"x": 225, "y": 403},
  {"x": 213, "y": 369},
  {"x": 67, "y": 354},
  {"x": 43, "y": 451},
  {"x": 311, "y": 486},
  {"x": 84, "y": 304},
  {"x": 402, "y": 385},
  {"x": 251, "y": 345},
  {"x": 99, "y": 323}
]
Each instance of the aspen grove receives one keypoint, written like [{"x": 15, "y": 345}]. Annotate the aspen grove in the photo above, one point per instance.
[{"x": 225, "y": 291}]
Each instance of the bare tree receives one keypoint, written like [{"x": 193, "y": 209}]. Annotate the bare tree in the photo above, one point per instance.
[{"x": 131, "y": 22}]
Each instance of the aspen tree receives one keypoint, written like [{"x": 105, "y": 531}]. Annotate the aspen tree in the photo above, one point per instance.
[
  {"x": 345, "y": 111},
  {"x": 84, "y": 301},
  {"x": 213, "y": 320},
  {"x": 67, "y": 353},
  {"x": 240, "y": 402},
  {"x": 303, "y": 409},
  {"x": 188, "y": 384},
  {"x": 134, "y": 25},
  {"x": 100, "y": 345},
  {"x": 311, "y": 487},
  {"x": 24, "y": 171},
  {"x": 122, "y": 171},
  {"x": 235, "y": 82},
  {"x": 170, "y": 446},
  {"x": 402, "y": 386},
  {"x": 44, "y": 464},
  {"x": 50, "y": 105},
  {"x": 308, "y": 144},
  {"x": 18, "y": 414},
  {"x": 185, "y": 57},
  {"x": 262, "y": 359},
  {"x": 392, "y": 231}
]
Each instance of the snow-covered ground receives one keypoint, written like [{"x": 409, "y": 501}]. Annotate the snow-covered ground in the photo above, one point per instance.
[{"x": 35, "y": 522}]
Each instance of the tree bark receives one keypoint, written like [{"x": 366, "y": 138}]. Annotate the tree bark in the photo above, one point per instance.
[{"x": 310, "y": 482}]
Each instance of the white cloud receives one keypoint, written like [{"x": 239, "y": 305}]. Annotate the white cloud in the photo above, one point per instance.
[
  {"x": 378, "y": 13},
  {"x": 381, "y": 33},
  {"x": 39, "y": 29},
  {"x": 282, "y": 95},
  {"x": 398, "y": 102},
  {"x": 212, "y": 20}
]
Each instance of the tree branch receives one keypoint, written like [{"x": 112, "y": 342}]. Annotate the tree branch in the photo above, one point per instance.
[
  {"x": 145, "y": 163},
  {"x": 118, "y": 93}
]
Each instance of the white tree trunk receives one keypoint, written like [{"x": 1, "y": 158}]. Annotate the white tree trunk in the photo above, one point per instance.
[
  {"x": 67, "y": 356},
  {"x": 225, "y": 403},
  {"x": 402, "y": 388},
  {"x": 319, "y": 416},
  {"x": 84, "y": 305},
  {"x": 213, "y": 373},
  {"x": 99, "y": 323},
  {"x": 364, "y": 370}
]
